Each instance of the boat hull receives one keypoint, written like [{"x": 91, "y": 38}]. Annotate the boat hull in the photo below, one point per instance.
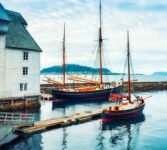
[
  {"x": 110, "y": 115},
  {"x": 98, "y": 95}
]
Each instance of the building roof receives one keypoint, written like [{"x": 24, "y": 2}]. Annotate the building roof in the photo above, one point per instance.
[
  {"x": 20, "y": 17},
  {"x": 18, "y": 37},
  {"x": 3, "y": 15}
]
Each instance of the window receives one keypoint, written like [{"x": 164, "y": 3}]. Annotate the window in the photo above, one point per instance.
[
  {"x": 23, "y": 86},
  {"x": 25, "y": 70},
  {"x": 25, "y": 56}
]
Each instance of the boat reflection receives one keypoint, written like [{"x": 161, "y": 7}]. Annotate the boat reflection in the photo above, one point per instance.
[
  {"x": 118, "y": 123},
  {"x": 124, "y": 129},
  {"x": 96, "y": 105}
]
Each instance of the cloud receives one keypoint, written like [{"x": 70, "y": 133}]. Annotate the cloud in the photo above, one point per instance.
[{"x": 146, "y": 20}]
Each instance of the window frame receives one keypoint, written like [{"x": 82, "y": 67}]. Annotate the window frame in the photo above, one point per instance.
[
  {"x": 25, "y": 55},
  {"x": 25, "y": 86},
  {"x": 25, "y": 71},
  {"x": 21, "y": 86}
]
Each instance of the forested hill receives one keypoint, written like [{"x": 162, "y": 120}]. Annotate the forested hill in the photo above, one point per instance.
[
  {"x": 74, "y": 69},
  {"x": 160, "y": 73}
]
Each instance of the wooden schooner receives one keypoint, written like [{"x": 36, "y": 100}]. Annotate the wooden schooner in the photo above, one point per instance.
[{"x": 98, "y": 92}]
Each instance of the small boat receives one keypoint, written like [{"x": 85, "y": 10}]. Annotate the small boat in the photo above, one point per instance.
[
  {"x": 124, "y": 107},
  {"x": 98, "y": 92}
]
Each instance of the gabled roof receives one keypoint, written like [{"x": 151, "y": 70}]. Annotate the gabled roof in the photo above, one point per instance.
[
  {"x": 20, "y": 17},
  {"x": 18, "y": 37},
  {"x": 3, "y": 14}
]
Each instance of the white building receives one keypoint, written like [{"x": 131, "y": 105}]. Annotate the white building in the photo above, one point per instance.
[{"x": 19, "y": 58}]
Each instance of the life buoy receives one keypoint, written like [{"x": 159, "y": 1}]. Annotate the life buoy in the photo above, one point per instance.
[
  {"x": 116, "y": 107},
  {"x": 24, "y": 116}
]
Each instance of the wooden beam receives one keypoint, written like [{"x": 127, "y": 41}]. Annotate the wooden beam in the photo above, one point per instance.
[{"x": 82, "y": 79}]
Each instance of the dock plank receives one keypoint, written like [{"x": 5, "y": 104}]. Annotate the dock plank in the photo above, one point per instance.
[{"x": 40, "y": 126}]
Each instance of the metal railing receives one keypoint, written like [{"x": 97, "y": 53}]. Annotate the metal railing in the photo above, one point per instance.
[{"x": 16, "y": 118}]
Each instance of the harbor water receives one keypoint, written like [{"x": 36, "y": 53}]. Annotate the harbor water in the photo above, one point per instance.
[{"x": 147, "y": 132}]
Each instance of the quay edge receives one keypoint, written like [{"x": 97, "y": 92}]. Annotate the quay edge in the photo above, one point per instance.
[
  {"x": 138, "y": 86},
  {"x": 20, "y": 103}
]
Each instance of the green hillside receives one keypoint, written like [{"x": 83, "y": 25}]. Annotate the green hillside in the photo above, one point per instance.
[{"x": 74, "y": 69}]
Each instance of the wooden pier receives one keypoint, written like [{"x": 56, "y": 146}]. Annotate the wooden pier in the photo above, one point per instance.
[{"x": 41, "y": 126}]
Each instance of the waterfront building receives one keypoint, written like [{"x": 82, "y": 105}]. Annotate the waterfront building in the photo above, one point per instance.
[{"x": 19, "y": 60}]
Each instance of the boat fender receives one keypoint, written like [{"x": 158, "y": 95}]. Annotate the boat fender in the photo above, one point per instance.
[{"x": 65, "y": 121}]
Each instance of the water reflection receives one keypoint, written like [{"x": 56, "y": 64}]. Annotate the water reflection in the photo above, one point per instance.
[
  {"x": 100, "y": 138},
  {"x": 74, "y": 104},
  {"x": 64, "y": 141},
  {"x": 124, "y": 130},
  {"x": 26, "y": 143}
]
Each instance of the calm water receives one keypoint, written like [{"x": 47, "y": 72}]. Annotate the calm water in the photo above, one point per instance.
[{"x": 148, "y": 132}]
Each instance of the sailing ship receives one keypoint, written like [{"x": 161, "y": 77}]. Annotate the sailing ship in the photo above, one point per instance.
[
  {"x": 124, "y": 110},
  {"x": 98, "y": 92}
]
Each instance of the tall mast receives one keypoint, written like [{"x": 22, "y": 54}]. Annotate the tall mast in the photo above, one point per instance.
[
  {"x": 64, "y": 81},
  {"x": 100, "y": 47},
  {"x": 129, "y": 87}
]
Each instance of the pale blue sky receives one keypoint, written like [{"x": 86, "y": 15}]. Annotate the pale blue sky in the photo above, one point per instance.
[{"x": 146, "y": 20}]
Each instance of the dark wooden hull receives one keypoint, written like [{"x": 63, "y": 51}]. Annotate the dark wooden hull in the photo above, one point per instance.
[
  {"x": 60, "y": 97},
  {"x": 127, "y": 122},
  {"x": 109, "y": 115}
]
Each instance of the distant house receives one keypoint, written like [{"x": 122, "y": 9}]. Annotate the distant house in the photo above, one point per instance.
[{"x": 19, "y": 58}]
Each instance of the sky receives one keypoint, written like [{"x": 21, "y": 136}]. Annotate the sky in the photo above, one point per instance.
[{"x": 146, "y": 21}]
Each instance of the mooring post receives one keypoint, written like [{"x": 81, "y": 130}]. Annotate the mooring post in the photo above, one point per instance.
[
  {"x": 38, "y": 101},
  {"x": 25, "y": 101},
  {"x": 12, "y": 104}
]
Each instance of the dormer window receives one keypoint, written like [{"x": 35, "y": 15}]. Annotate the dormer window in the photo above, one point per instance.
[{"x": 25, "y": 56}]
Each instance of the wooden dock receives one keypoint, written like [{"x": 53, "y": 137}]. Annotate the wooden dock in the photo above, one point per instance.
[{"x": 41, "y": 126}]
